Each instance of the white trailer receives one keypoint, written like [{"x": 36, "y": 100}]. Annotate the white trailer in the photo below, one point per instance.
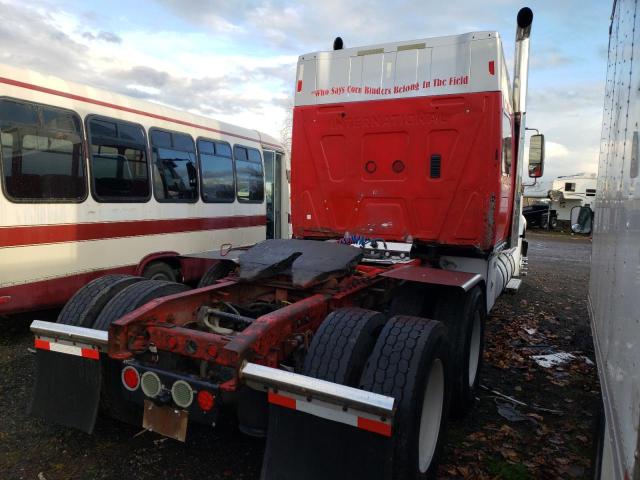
[{"x": 614, "y": 303}]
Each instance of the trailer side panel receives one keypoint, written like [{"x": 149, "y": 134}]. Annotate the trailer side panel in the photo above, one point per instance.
[{"x": 615, "y": 270}]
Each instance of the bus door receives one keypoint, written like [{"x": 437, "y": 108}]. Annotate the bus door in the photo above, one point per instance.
[{"x": 273, "y": 192}]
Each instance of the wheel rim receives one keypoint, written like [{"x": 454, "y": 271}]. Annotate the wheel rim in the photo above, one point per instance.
[
  {"x": 474, "y": 348},
  {"x": 431, "y": 415}
]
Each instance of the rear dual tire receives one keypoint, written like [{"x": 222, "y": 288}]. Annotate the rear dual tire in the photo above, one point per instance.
[
  {"x": 126, "y": 301},
  {"x": 410, "y": 363},
  {"x": 341, "y": 346},
  {"x": 85, "y": 305},
  {"x": 405, "y": 357},
  {"x": 464, "y": 315},
  {"x": 98, "y": 304}
]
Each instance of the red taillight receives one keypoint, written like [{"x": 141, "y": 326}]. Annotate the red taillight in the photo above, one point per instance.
[
  {"x": 206, "y": 400},
  {"x": 130, "y": 378}
]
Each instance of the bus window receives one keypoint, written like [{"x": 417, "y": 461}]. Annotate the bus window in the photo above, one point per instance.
[
  {"x": 216, "y": 171},
  {"x": 249, "y": 174},
  {"x": 119, "y": 169},
  {"x": 175, "y": 178},
  {"x": 41, "y": 153}
]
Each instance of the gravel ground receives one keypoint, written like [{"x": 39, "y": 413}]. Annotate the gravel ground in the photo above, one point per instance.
[{"x": 550, "y": 305}]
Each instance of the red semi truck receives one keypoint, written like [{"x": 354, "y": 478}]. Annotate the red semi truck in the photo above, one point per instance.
[{"x": 350, "y": 344}]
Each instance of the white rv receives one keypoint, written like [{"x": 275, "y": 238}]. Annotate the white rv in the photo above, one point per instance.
[
  {"x": 564, "y": 194},
  {"x": 572, "y": 191}
]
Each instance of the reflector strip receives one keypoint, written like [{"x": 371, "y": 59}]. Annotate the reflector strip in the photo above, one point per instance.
[
  {"x": 68, "y": 349},
  {"x": 331, "y": 412},
  {"x": 374, "y": 426},
  {"x": 41, "y": 344},
  {"x": 91, "y": 353},
  {"x": 282, "y": 400}
]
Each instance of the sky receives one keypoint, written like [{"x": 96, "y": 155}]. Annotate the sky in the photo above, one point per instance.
[{"x": 235, "y": 60}]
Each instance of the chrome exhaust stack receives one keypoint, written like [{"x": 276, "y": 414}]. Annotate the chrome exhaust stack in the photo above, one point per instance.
[
  {"x": 519, "y": 102},
  {"x": 521, "y": 67}
]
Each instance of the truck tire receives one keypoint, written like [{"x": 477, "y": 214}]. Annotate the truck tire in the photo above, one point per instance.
[
  {"x": 159, "y": 271},
  {"x": 338, "y": 353},
  {"x": 86, "y": 304},
  {"x": 341, "y": 346},
  {"x": 410, "y": 363},
  {"x": 215, "y": 272},
  {"x": 135, "y": 296},
  {"x": 132, "y": 297},
  {"x": 410, "y": 299},
  {"x": 464, "y": 315}
]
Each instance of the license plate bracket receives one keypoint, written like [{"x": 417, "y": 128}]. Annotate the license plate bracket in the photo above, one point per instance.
[{"x": 167, "y": 421}]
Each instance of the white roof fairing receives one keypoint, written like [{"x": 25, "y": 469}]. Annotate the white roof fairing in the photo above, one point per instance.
[{"x": 471, "y": 62}]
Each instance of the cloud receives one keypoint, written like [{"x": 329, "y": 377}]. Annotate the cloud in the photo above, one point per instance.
[
  {"x": 570, "y": 118},
  {"x": 555, "y": 150},
  {"x": 104, "y": 36},
  {"x": 236, "y": 61},
  {"x": 550, "y": 57},
  {"x": 312, "y": 25},
  {"x": 30, "y": 39},
  {"x": 238, "y": 89}
]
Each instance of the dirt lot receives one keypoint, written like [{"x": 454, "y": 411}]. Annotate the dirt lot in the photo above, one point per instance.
[{"x": 547, "y": 315}]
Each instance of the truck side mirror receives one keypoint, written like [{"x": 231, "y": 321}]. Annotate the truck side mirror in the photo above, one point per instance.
[{"x": 536, "y": 156}]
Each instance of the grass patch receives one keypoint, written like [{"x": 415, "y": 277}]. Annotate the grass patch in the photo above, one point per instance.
[{"x": 508, "y": 471}]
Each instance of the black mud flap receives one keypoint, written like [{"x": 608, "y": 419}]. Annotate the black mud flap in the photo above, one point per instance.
[
  {"x": 305, "y": 447},
  {"x": 67, "y": 389}
]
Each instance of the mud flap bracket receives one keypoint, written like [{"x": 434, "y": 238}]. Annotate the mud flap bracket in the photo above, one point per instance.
[
  {"x": 319, "y": 429},
  {"x": 68, "y": 374}
]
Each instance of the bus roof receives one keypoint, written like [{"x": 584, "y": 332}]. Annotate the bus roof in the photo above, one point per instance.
[
  {"x": 29, "y": 80},
  {"x": 470, "y": 62}
]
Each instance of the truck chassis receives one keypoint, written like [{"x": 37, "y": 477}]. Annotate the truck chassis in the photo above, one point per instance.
[{"x": 300, "y": 327}]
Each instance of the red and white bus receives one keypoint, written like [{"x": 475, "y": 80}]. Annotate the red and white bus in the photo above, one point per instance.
[{"x": 94, "y": 183}]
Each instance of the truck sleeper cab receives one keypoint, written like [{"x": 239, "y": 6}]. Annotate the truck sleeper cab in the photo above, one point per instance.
[{"x": 409, "y": 140}]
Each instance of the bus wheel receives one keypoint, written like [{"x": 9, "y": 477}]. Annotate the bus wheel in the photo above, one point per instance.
[
  {"x": 86, "y": 304},
  {"x": 215, "y": 272},
  {"x": 410, "y": 363},
  {"x": 464, "y": 314},
  {"x": 159, "y": 271},
  {"x": 341, "y": 346}
]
